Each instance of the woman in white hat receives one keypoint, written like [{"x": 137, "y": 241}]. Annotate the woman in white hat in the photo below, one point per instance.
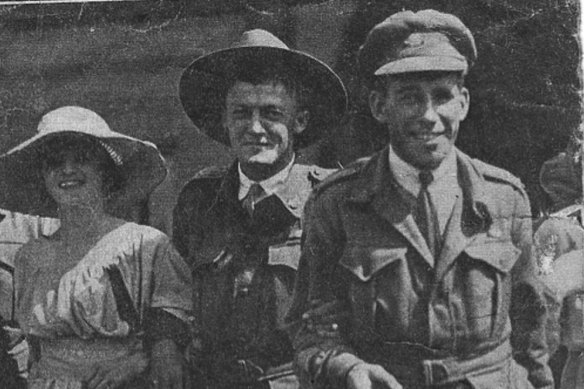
[{"x": 101, "y": 299}]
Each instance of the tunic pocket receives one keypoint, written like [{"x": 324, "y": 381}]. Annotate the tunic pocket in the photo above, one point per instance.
[
  {"x": 365, "y": 261},
  {"x": 286, "y": 254},
  {"x": 374, "y": 283},
  {"x": 485, "y": 285},
  {"x": 499, "y": 255}
]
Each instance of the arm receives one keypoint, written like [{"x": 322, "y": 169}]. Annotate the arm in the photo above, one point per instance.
[
  {"x": 189, "y": 216},
  {"x": 182, "y": 221},
  {"x": 528, "y": 308},
  {"x": 166, "y": 321},
  {"x": 321, "y": 358}
]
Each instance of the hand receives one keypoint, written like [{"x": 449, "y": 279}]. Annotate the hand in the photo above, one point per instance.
[
  {"x": 166, "y": 366},
  {"x": 115, "y": 375},
  {"x": 368, "y": 376},
  {"x": 325, "y": 319}
]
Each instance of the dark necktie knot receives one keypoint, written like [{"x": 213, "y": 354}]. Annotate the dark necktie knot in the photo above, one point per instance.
[
  {"x": 426, "y": 178},
  {"x": 255, "y": 194}
]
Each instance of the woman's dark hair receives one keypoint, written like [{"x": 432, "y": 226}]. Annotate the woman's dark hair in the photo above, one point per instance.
[{"x": 50, "y": 154}]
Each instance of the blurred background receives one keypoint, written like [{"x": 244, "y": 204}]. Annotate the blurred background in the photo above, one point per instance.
[{"x": 124, "y": 59}]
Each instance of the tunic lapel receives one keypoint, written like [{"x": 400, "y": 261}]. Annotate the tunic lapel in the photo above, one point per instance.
[
  {"x": 470, "y": 216},
  {"x": 454, "y": 241},
  {"x": 381, "y": 190},
  {"x": 391, "y": 206},
  {"x": 233, "y": 220}
]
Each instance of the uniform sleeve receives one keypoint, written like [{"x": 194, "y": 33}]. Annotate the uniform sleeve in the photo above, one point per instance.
[
  {"x": 181, "y": 223},
  {"x": 321, "y": 360},
  {"x": 188, "y": 219},
  {"x": 21, "y": 269},
  {"x": 172, "y": 282},
  {"x": 528, "y": 308}
]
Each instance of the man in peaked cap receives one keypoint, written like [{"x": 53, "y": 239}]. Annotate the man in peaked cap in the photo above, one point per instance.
[
  {"x": 418, "y": 258},
  {"x": 239, "y": 227}
]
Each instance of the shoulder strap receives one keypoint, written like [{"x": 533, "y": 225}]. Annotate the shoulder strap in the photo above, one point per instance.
[{"x": 124, "y": 302}]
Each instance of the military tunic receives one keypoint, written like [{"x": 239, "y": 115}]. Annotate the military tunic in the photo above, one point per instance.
[
  {"x": 429, "y": 322},
  {"x": 244, "y": 270}
]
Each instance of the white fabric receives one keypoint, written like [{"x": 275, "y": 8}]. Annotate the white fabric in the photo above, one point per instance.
[
  {"x": 444, "y": 189},
  {"x": 271, "y": 185},
  {"x": 71, "y": 309}
]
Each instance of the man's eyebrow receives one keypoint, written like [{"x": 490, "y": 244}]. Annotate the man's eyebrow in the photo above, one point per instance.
[
  {"x": 406, "y": 88},
  {"x": 271, "y": 106}
]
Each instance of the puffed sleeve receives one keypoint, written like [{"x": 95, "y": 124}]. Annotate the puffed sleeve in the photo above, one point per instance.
[
  {"x": 167, "y": 316},
  {"x": 172, "y": 281}
]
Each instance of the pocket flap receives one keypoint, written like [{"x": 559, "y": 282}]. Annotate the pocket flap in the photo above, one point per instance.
[
  {"x": 364, "y": 261},
  {"x": 287, "y": 254},
  {"x": 501, "y": 256}
]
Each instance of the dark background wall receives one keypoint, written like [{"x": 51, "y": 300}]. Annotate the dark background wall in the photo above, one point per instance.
[{"x": 123, "y": 60}]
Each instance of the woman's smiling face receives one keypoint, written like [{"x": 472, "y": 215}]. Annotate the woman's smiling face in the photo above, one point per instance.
[{"x": 73, "y": 174}]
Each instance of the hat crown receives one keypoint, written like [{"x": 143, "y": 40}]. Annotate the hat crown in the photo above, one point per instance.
[
  {"x": 412, "y": 42},
  {"x": 205, "y": 82},
  {"x": 74, "y": 119},
  {"x": 260, "y": 38}
]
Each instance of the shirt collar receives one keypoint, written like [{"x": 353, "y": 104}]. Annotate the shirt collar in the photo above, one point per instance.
[
  {"x": 270, "y": 185},
  {"x": 407, "y": 175}
]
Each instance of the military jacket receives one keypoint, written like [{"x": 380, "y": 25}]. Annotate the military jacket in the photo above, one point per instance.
[
  {"x": 243, "y": 268},
  {"x": 427, "y": 321}
]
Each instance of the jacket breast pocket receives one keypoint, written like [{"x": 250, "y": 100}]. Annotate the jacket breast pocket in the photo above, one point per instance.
[
  {"x": 484, "y": 287},
  {"x": 372, "y": 270},
  {"x": 279, "y": 276},
  {"x": 286, "y": 253}
]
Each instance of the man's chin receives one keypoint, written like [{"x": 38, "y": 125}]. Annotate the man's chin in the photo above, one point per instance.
[
  {"x": 262, "y": 159},
  {"x": 426, "y": 160}
]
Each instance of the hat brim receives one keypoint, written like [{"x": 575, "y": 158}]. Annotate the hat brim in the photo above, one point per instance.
[
  {"x": 423, "y": 64},
  {"x": 205, "y": 82},
  {"x": 22, "y": 190}
]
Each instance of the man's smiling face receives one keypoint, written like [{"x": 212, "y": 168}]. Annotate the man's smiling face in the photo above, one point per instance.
[
  {"x": 422, "y": 112},
  {"x": 262, "y": 121}
]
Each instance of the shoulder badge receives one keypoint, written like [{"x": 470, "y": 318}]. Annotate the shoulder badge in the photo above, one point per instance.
[
  {"x": 498, "y": 174},
  {"x": 211, "y": 172}
]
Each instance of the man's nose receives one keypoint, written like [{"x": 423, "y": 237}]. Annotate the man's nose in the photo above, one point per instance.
[
  {"x": 255, "y": 124},
  {"x": 68, "y": 166},
  {"x": 430, "y": 111}
]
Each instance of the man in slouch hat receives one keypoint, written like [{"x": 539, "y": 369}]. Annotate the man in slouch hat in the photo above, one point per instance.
[
  {"x": 420, "y": 256},
  {"x": 239, "y": 227}
]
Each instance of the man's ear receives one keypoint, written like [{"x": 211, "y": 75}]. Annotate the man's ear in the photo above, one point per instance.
[
  {"x": 465, "y": 102},
  {"x": 301, "y": 121},
  {"x": 377, "y": 105}
]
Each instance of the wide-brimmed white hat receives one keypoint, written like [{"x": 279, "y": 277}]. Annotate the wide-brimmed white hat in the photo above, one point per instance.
[
  {"x": 205, "y": 82},
  {"x": 21, "y": 190}
]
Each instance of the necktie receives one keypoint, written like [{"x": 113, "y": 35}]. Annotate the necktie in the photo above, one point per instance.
[
  {"x": 427, "y": 218},
  {"x": 255, "y": 194}
]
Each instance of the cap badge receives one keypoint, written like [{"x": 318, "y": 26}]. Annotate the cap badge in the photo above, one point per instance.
[{"x": 414, "y": 40}]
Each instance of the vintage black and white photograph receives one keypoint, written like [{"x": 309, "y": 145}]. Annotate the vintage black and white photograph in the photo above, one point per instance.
[{"x": 291, "y": 194}]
